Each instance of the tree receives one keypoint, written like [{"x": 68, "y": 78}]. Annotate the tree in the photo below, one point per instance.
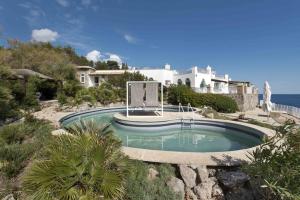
[
  {"x": 40, "y": 57},
  {"x": 120, "y": 80},
  {"x": 274, "y": 166},
  {"x": 88, "y": 164},
  {"x": 101, "y": 66},
  {"x": 124, "y": 66},
  {"x": 113, "y": 65},
  {"x": 75, "y": 59}
]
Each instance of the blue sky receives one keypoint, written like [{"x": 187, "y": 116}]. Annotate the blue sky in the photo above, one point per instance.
[{"x": 253, "y": 40}]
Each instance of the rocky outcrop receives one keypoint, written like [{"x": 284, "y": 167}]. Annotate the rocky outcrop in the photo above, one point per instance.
[
  {"x": 217, "y": 192},
  {"x": 232, "y": 179},
  {"x": 189, "y": 194},
  {"x": 202, "y": 173},
  {"x": 204, "y": 190},
  {"x": 240, "y": 193},
  {"x": 9, "y": 197},
  {"x": 202, "y": 183},
  {"x": 152, "y": 174},
  {"x": 188, "y": 175},
  {"x": 177, "y": 186}
]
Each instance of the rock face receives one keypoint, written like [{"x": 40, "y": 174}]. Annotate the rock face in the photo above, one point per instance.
[
  {"x": 232, "y": 179},
  {"x": 188, "y": 175},
  {"x": 240, "y": 193},
  {"x": 217, "y": 193},
  {"x": 202, "y": 173},
  {"x": 204, "y": 190},
  {"x": 177, "y": 186},
  {"x": 152, "y": 174},
  {"x": 9, "y": 197},
  {"x": 189, "y": 194}
]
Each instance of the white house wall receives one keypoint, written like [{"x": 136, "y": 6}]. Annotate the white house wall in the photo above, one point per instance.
[{"x": 161, "y": 75}]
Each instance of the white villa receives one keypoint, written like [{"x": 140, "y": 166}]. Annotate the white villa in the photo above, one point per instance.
[{"x": 202, "y": 80}]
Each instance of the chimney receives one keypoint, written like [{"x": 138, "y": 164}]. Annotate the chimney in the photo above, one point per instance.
[{"x": 167, "y": 66}]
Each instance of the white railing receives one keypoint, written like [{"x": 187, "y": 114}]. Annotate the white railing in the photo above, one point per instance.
[
  {"x": 180, "y": 108},
  {"x": 190, "y": 108},
  {"x": 291, "y": 110}
]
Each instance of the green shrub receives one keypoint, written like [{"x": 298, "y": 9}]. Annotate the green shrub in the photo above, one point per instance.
[
  {"x": 12, "y": 134},
  {"x": 8, "y": 108},
  {"x": 84, "y": 95},
  {"x": 88, "y": 164},
  {"x": 14, "y": 158},
  {"x": 184, "y": 95},
  {"x": 275, "y": 165},
  {"x": 139, "y": 187},
  {"x": 14, "y": 151},
  {"x": 31, "y": 100},
  {"x": 71, "y": 87},
  {"x": 62, "y": 98}
]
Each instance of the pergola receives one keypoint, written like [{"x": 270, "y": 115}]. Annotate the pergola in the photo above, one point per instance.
[{"x": 145, "y": 96}]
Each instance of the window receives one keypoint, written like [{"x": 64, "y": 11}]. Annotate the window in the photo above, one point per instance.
[
  {"x": 188, "y": 82},
  {"x": 179, "y": 82},
  {"x": 96, "y": 80},
  {"x": 82, "y": 78}
]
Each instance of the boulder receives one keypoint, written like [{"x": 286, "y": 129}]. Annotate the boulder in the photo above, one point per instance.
[
  {"x": 217, "y": 193},
  {"x": 210, "y": 115},
  {"x": 152, "y": 174},
  {"x": 189, "y": 194},
  {"x": 9, "y": 197},
  {"x": 239, "y": 193},
  {"x": 177, "y": 186},
  {"x": 188, "y": 175},
  {"x": 232, "y": 179},
  {"x": 202, "y": 173},
  {"x": 204, "y": 190},
  {"x": 211, "y": 172}
]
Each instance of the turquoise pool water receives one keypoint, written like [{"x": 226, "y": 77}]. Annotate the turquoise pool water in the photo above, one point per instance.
[{"x": 206, "y": 138}]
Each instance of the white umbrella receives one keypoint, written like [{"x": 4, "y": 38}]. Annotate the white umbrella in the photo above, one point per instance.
[{"x": 267, "y": 105}]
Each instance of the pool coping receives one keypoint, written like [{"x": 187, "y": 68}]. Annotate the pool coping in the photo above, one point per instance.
[{"x": 226, "y": 158}]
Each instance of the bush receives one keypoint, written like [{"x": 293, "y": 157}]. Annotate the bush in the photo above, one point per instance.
[
  {"x": 8, "y": 108},
  {"x": 275, "y": 165},
  {"x": 184, "y": 95},
  {"x": 88, "y": 164},
  {"x": 84, "y": 95},
  {"x": 139, "y": 187},
  {"x": 14, "y": 152}
]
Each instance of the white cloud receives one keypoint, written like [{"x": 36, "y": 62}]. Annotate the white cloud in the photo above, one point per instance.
[
  {"x": 44, "y": 35},
  {"x": 116, "y": 58},
  {"x": 130, "y": 39},
  {"x": 93, "y": 56},
  {"x": 35, "y": 15},
  {"x": 63, "y": 3},
  {"x": 86, "y": 2}
]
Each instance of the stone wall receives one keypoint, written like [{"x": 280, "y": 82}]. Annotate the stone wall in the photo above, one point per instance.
[
  {"x": 203, "y": 183},
  {"x": 245, "y": 102}
]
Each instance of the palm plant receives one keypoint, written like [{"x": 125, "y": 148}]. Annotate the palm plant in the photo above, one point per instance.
[{"x": 86, "y": 164}]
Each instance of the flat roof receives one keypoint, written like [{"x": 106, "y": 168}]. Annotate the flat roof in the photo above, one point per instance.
[
  {"x": 110, "y": 72},
  {"x": 84, "y": 67},
  {"x": 219, "y": 80}
]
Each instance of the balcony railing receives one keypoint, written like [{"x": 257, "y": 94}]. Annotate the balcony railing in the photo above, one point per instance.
[{"x": 291, "y": 110}]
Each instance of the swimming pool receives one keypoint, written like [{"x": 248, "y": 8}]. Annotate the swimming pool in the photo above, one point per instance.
[{"x": 200, "y": 136}]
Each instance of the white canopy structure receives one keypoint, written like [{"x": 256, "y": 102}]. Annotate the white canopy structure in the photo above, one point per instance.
[
  {"x": 267, "y": 104},
  {"x": 144, "y": 96}
]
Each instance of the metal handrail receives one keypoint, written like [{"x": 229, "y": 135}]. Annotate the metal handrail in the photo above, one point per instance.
[
  {"x": 180, "y": 107},
  {"x": 192, "y": 110}
]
